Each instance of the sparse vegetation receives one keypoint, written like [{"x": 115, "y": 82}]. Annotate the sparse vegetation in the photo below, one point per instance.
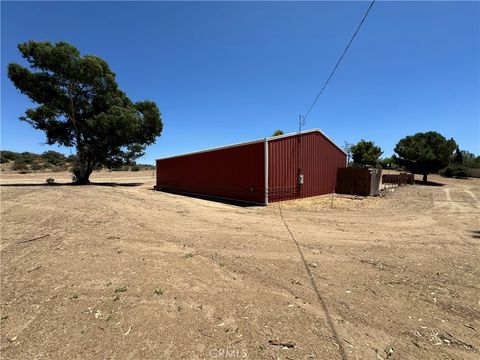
[
  {"x": 121, "y": 289},
  {"x": 18, "y": 166},
  {"x": 158, "y": 292},
  {"x": 56, "y": 162}
]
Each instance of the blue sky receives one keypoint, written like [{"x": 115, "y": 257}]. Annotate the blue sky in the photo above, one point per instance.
[{"x": 228, "y": 72}]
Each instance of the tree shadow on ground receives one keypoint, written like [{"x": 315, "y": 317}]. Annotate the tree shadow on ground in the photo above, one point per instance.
[
  {"x": 110, "y": 184},
  {"x": 428, "y": 183}
]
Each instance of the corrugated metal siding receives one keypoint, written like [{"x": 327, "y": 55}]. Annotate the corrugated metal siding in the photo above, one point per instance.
[
  {"x": 317, "y": 158},
  {"x": 233, "y": 173}
]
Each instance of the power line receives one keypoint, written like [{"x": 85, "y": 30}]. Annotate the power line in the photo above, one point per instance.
[{"x": 339, "y": 60}]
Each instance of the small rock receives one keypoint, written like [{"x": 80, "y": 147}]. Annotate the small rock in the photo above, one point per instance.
[{"x": 11, "y": 338}]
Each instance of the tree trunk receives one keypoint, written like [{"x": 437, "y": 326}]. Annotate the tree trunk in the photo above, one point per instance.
[
  {"x": 424, "y": 178},
  {"x": 83, "y": 169},
  {"x": 82, "y": 173}
]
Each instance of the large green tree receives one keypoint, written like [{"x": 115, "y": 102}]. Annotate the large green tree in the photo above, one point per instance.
[
  {"x": 365, "y": 153},
  {"x": 80, "y": 105},
  {"x": 470, "y": 160},
  {"x": 424, "y": 153}
]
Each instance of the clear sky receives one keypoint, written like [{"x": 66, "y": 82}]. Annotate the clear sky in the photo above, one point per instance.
[{"x": 228, "y": 72}]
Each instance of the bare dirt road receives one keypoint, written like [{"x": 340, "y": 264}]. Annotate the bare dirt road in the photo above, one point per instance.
[{"x": 122, "y": 272}]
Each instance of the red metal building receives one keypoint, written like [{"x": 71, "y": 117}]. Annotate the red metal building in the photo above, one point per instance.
[{"x": 262, "y": 171}]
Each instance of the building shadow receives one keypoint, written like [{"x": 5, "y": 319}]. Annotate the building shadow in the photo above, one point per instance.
[{"x": 216, "y": 199}]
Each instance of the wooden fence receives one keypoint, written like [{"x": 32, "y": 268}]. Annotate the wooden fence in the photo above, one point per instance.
[
  {"x": 399, "y": 179},
  {"x": 358, "y": 181}
]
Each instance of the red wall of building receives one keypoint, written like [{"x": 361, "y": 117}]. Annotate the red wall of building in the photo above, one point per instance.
[
  {"x": 316, "y": 156},
  {"x": 233, "y": 173}
]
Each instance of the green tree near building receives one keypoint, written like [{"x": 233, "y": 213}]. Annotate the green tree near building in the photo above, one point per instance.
[
  {"x": 80, "y": 105},
  {"x": 365, "y": 153},
  {"x": 470, "y": 160},
  {"x": 424, "y": 153}
]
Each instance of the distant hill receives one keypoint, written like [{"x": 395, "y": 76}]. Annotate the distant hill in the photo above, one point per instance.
[{"x": 25, "y": 162}]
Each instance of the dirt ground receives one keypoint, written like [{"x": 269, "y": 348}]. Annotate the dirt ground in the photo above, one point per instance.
[{"x": 123, "y": 272}]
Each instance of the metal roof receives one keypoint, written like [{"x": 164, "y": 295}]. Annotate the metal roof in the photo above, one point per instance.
[{"x": 270, "y": 138}]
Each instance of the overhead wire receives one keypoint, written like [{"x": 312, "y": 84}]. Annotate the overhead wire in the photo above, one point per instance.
[{"x": 339, "y": 60}]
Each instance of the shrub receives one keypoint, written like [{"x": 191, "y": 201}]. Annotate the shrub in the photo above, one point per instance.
[
  {"x": 119, "y": 168},
  {"x": 18, "y": 165},
  {"x": 37, "y": 167},
  {"x": 475, "y": 173},
  {"x": 3, "y": 159},
  {"x": 53, "y": 157},
  {"x": 9, "y": 155},
  {"x": 63, "y": 167},
  {"x": 135, "y": 168},
  {"x": 50, "y": 180},
  {"x": 72, "y": 159},
  {"x": 26, "y": 157},
  {"x": 447, "y": 172},
  {"x": 455, "y": 170}
]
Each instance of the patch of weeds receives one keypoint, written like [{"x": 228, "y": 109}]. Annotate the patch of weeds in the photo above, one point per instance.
[
  {"x": 108, "y": 317},
  {"x": 82, "y": 331},
  {"x": 188, "y": 255},
  {"x": 221, "y": 263},
  {"x": 5, "y": 317},
  {"x": 116, "y": 298},
  {"x": 158, "y": 292},
  {"x": 109, "y": 283},
  {"x": 121, "y": 289},
  {"x": 75, "y": 296},
  {"x": 179, "y": 308}
]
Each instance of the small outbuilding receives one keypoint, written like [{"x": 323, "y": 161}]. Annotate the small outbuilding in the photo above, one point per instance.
[{"x": 277, "y": 168}]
